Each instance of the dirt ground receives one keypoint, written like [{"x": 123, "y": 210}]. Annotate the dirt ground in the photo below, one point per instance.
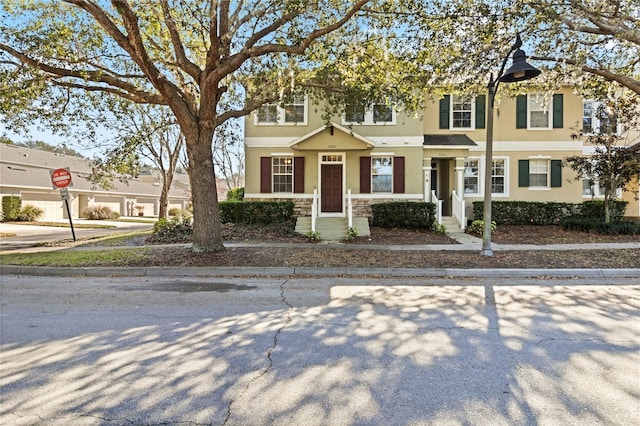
[{"x": 355, "y": 254}]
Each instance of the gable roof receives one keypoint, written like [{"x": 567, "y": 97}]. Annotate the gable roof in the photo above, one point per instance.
[{"x": 331, "y": 128}]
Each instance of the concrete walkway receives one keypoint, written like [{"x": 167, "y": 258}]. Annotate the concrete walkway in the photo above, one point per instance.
[{"x": 28, "y": 236}]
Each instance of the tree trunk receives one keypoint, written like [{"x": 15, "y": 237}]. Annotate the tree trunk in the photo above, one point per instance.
[
  {"x": 164, "y": 198},
  {"x": 207, "y": 231}
]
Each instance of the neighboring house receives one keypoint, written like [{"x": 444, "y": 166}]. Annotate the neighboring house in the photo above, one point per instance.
[
  {"x": 25, "y": 172},
  {"x": 377, "y": 155}
]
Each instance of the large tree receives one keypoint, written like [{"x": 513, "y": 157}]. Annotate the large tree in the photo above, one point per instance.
[
  {"x": 614, "y": 163},
  {"x": 146, "y": 135},
  {"x": 197, "y": 58}
]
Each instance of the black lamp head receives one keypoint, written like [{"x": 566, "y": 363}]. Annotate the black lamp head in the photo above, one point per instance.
[{"x": 520, "y": 70}]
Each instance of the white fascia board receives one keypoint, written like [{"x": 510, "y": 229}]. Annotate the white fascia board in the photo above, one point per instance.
[
  {"x": 526, "y": 146},
  {"x": 267, "y": 141},
  {"x": 397, "y": 140}
]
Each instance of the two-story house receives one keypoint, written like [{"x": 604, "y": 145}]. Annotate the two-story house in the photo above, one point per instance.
[{"x": 373, "y": 154}]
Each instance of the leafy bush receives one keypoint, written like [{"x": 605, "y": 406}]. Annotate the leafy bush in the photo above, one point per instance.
[
  {"x": 595, "y": 209},
  {"x": 175, "y": 211},
  {"x": 549, "y": 213},
  {"x": 590, "y": 224},
  {"x": 477, "y": 227},
  {"x": 235, "y": 194},
  {"x": 11, "y": 206},
  {"x": 174, "y": 230},
  {"x": 30, "y": 213},
  {"x": 313, "y": 236},
  {"x": 352, "y": 233},
  {"x": 403, "y": 214},
  {"x": 256, "y": 212},
  {"x": 100, "y": 213},
  {"x": 439, "y": 228}
]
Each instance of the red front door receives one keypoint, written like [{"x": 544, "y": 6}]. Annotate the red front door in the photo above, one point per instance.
[{"x": 331, "y": 193}]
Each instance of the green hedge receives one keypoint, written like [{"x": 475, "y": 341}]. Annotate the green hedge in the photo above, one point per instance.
[
  {"x": 256, "y": 212},
  {"x": 586, "y": 224},
  {"x": 403, "y": 214},
  {"x": 11, "y": 206},
  {"x": 235, "y": 194},
  {"x": 549, "y": 213}
]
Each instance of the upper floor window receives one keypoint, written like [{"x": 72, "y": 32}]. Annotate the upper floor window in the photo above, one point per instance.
[
  {"x": 292, "y": 113},
  {"x": 462, "y": 112},
  {"x": 537, "y": 111},
  {"x": 597, "y": 120},
  {"x": 539, "y": 116},
  {"x": 379, "y": 113}
]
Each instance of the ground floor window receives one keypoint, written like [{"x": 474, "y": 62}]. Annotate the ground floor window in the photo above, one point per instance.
[
  {"x": 382, "y": 174},
  {"x": 498, "y": 177},
  {"x": 282, "y": 168},
  {"x": 538, "y": 173},
  {"x": 471, "y": 176}
]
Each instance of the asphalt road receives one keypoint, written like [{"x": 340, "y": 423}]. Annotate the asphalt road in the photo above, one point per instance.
[{"x": 324, "y": 351}]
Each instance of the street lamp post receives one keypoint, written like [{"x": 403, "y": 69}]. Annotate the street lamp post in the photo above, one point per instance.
[{"x": 520, "y": 70}]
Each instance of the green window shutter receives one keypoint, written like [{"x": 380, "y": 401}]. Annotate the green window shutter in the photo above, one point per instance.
[
  {"x": 523, "y": 173},
  {"x": 521, "y": 112},
  {"x": 557, "y": 111},
  {"x": 556, "y": 173},
  {"x": 445, "y": 105},
  {"x": 481, "y": 112}
]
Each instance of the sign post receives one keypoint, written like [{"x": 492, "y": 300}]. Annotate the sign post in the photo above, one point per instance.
[{"x": 61, "y": 179}]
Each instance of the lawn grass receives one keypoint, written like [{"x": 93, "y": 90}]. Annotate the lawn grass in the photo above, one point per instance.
[{"x": 111, "y": 257}]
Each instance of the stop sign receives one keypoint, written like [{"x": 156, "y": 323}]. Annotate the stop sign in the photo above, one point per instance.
[{"x": 61, "y": 178}]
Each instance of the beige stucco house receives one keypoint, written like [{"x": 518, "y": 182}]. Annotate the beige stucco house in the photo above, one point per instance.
[
  {"x": 26, "y": 172},
  {"x": 374, "y": 154}
]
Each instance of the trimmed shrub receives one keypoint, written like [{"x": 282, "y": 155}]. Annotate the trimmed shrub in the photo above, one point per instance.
[
  {"x": 595, "y": 208},
  {"x": 549, "y": 213},
  {"x": 477, "y": 227},
  {"x": 11, "y": 206},
  {"x": 100, "y": 213},
  {"x": 30, "y": 213},
  {"x": 403, "y": 214},
  {"x": 590, "y": 224},
  {"x": 235, "y": 194},
  {"x": 174, "y": 230},
  {"x": 256, "y": 212}
]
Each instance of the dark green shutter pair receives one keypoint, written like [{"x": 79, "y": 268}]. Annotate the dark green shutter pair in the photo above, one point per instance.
[
  {"x": 521, "y": 111},
  {"x": 445, "y": 110},
  {"x": 556, "y": 173}
]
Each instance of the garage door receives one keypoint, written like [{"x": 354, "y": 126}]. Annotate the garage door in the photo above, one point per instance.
[
  {"x": 113, "y": 203},
  {"x": 51, "y": 205}
]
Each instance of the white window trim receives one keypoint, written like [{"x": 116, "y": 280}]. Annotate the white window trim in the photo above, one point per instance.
[
  {"x": 342, "y": 162},
  {"x": 273, "y": 174},
  {"x": 595, "y": 122},
  {"x": 482, "y": 161},
  {"x": 281, "y": 116},
  {"x": 506, "y": 178},
  {"x": 479, "y": 185},
  {"x": 473, "y": 115},
  {"x": 386, "y": 155},
  {"x": 541, "y": 188},
  {"x": 549, "y": 109},
  {"x": 368, "y": 119}
]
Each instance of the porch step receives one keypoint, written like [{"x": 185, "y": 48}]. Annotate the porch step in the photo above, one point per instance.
[
  {"x": 451, "y": 223},
  {"x": 333, "y": 228}
]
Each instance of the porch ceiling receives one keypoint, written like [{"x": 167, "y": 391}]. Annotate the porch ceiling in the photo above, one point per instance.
[{"x": 332, "y": 136}]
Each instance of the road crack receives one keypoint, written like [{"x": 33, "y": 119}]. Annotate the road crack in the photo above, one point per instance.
[{"x": 269, "y": 366}]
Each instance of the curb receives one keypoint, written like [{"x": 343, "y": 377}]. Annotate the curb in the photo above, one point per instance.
[{"x": 160, "y": 271}]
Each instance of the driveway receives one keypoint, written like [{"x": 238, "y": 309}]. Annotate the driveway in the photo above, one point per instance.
[
  {"x": 28, "y": 235},
  {"x": 319, "y": 351}
]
